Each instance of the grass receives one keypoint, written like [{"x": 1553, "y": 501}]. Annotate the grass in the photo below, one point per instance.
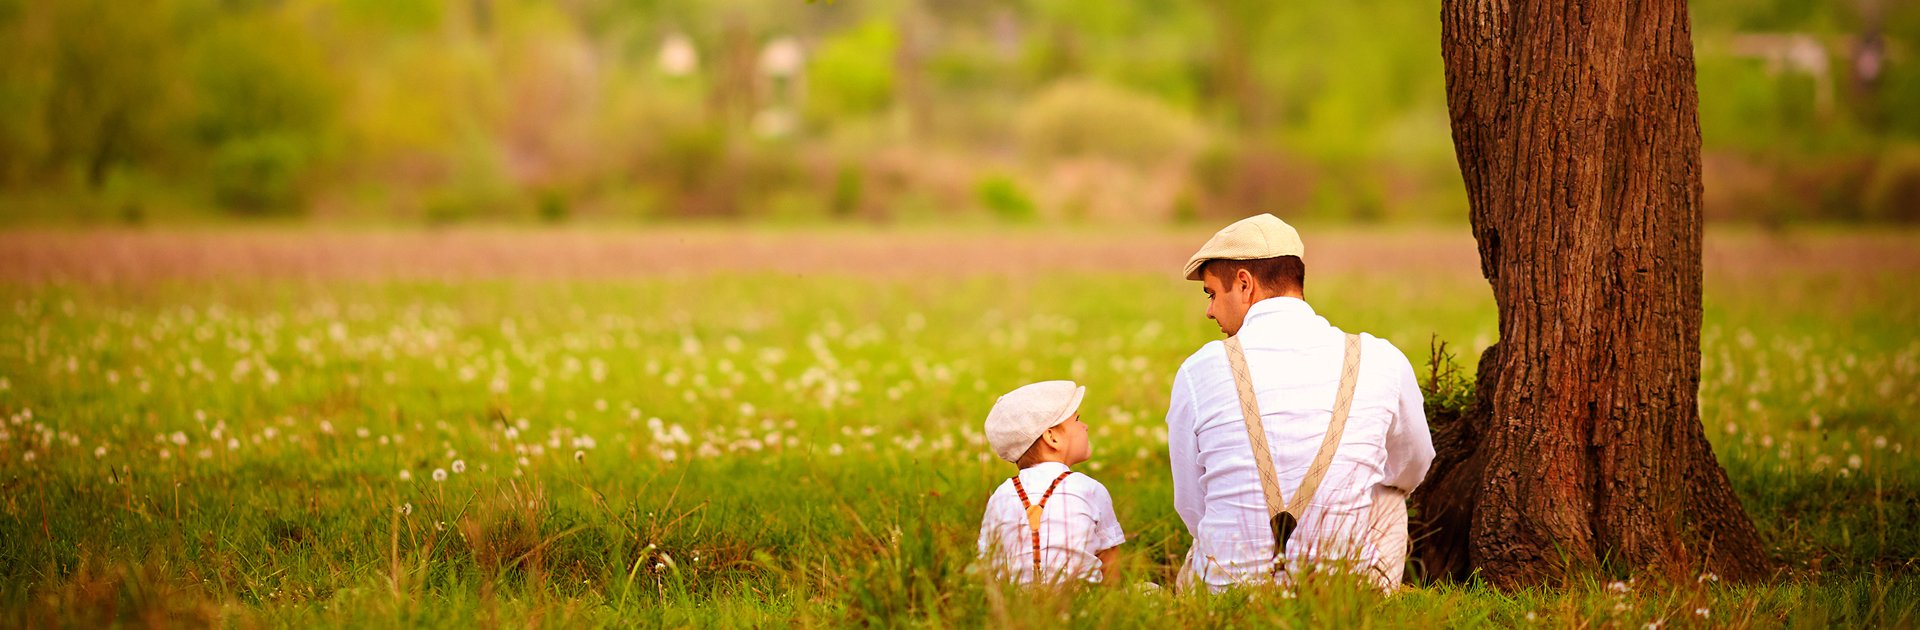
[{"x": 753, "y": 448}]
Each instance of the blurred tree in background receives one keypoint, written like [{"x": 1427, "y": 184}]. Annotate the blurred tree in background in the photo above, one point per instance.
[{"x": 874, "y": 110}]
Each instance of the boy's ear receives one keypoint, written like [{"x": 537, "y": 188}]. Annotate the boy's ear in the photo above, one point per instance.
[{"x": 1053, "y": 436}]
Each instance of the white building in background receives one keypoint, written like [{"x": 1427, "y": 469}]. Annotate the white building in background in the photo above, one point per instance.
[{"x": 678, "y": 57}]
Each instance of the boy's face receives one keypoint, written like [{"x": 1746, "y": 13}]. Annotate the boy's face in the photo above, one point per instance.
[{"x": 1073, "y": 440}]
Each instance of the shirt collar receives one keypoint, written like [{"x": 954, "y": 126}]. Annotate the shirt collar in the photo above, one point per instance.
[
  {"x": 1051, "y": 468},
  {"x": 1279, "y": 305}
]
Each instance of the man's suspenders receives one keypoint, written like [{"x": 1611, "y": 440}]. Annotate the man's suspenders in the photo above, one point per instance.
[{"x": 1284, "y": 519}]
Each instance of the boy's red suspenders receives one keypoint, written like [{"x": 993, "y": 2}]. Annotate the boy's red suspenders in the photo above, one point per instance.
[{"x": 1033, "y": 514}]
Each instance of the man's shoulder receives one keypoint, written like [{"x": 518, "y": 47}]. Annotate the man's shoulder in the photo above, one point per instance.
[
  {"x": 1382, "y": 352},
  {"x": 1213, "y": 352}
]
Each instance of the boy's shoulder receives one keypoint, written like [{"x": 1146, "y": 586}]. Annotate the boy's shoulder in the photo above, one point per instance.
[{"x": 1081, "y": 483}]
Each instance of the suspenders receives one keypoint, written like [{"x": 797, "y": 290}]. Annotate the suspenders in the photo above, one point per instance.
[
  {"x": 1284, "y": 515},
  {"x": 1033, "y": 514}
]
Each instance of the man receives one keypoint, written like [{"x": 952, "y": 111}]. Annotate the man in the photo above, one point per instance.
[{"x": 1353, "y": 514}]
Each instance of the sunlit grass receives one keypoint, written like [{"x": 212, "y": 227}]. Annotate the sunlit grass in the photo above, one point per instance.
[{"x": 763, "y": 448}]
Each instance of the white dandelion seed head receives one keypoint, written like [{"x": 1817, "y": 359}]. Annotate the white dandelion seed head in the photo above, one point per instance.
[
  {"x": 578, "y": 456},
  {"x": 406, "y": 475},
  {"x": 439, "y": 474},
  {"x": 100, "y": 451},
  {"x": 459, "y": 466},
  {"x": 1701, "y": 612},
  {"x": 179, "y": 438},
  {"x": 29, "y": 456},
  {"x": 404, "y": 509}
]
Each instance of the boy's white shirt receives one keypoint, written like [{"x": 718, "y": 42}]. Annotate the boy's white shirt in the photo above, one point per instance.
[
  {"x": 1295, "y": 357},
  {"x": 1077, "y": 523}
]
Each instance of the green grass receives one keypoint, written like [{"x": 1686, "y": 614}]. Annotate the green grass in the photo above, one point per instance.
[{"x": 232, "y": 452}]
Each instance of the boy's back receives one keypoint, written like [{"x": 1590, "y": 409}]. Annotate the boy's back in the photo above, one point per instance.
[{"x": 1076, "y": 523}]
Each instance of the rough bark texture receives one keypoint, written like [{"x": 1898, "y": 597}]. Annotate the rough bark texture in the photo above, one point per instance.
[{"x": 1576, "y": 128}]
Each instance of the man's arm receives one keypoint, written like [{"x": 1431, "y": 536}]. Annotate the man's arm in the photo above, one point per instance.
[
  {"x": 1409, "y": 443},
  {"x": 1184, "y": 453}
]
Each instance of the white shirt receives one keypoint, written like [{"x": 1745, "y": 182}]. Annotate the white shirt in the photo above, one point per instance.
[
  {"x": 1076, "y": 523},
  {"x": 1295, "y": 359}
]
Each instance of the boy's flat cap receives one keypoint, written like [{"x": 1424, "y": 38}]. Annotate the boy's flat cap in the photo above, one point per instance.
[{"x": 1019, "y": 417}]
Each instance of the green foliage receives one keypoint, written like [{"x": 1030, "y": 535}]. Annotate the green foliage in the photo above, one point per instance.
[
  {"x": 1002, "y": 197},
  {"x": 1089, "y": 118},
  {"x": 260, "y": 173},
  {"x": 851, "y": 73},
  {"x": 379, "y": 100}
]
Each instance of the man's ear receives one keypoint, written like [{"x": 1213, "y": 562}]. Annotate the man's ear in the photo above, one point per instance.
[{"x": 1242, "y": 276}]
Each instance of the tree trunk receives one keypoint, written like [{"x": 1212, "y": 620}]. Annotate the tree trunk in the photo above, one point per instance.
[{"x": 1577, "y": 133}]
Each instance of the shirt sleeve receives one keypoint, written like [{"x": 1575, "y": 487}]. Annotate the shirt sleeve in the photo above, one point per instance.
[
  {"x": 1183, "y": 452},
  {"x": 1106, "y": 527},
  {"x": 1409, "y": 443},
  {"x": 986, "y": 530}
]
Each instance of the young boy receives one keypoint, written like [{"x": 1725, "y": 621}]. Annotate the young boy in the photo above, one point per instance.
[{"x": 1048, "y": 523}]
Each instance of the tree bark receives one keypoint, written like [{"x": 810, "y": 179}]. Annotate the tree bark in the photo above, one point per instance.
[{"x": 1577, "y": 132}]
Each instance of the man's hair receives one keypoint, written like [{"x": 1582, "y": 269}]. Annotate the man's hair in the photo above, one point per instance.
[{"x": 1279, "y": 274}]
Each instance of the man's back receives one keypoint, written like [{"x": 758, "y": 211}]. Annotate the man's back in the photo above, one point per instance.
[{"x": 1294, "y": 357}]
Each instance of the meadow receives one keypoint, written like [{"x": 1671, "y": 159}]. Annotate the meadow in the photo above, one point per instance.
[{"x": 459, "y": 429}]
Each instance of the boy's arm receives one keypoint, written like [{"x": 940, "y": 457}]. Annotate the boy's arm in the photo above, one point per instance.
[{"x": 1109, "y": 565}]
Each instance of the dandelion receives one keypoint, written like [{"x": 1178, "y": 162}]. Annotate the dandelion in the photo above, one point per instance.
[
  {"x": 578, "y": 456},
  {"x": 326, "y": 427},
  {"x": 1708, "y": 577},
  {"x": 1854, "y": 462},
  {"x": 440, "y": 526},
  {"x": 439, "y": 474},
  {"x": 163, "y": 455},
  {"x": 30, "y": 456},
  {"x": 405, "y": 509},
  {"x": 100, "y": 451},
  {"x": 406, "y": 475},
  {"x": 1531, "y": 616},
  {"x": 179, "y": 438},
  {"x": 1700, "y": 612},
  {"x": 459, "y": 466},
  {"x": 1618, "y": 587},
  {"x": 1880, "y": 442}
]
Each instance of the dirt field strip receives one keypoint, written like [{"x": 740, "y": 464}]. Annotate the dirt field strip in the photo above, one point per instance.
[{"x": 135, "y": 257}]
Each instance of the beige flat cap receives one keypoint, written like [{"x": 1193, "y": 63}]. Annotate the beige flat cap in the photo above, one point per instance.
[
  {"x": 1018, "y": 418},
  {"x": 1252, "y": 238}
]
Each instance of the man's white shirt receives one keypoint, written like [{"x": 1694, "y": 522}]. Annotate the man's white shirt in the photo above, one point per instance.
[
  {"x": 1077, "y": 522},
  {"x": 1295, "y": 359}
]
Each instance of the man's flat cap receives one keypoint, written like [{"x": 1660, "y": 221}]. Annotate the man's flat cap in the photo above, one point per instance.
[{"x": 1255, "y": 237}]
